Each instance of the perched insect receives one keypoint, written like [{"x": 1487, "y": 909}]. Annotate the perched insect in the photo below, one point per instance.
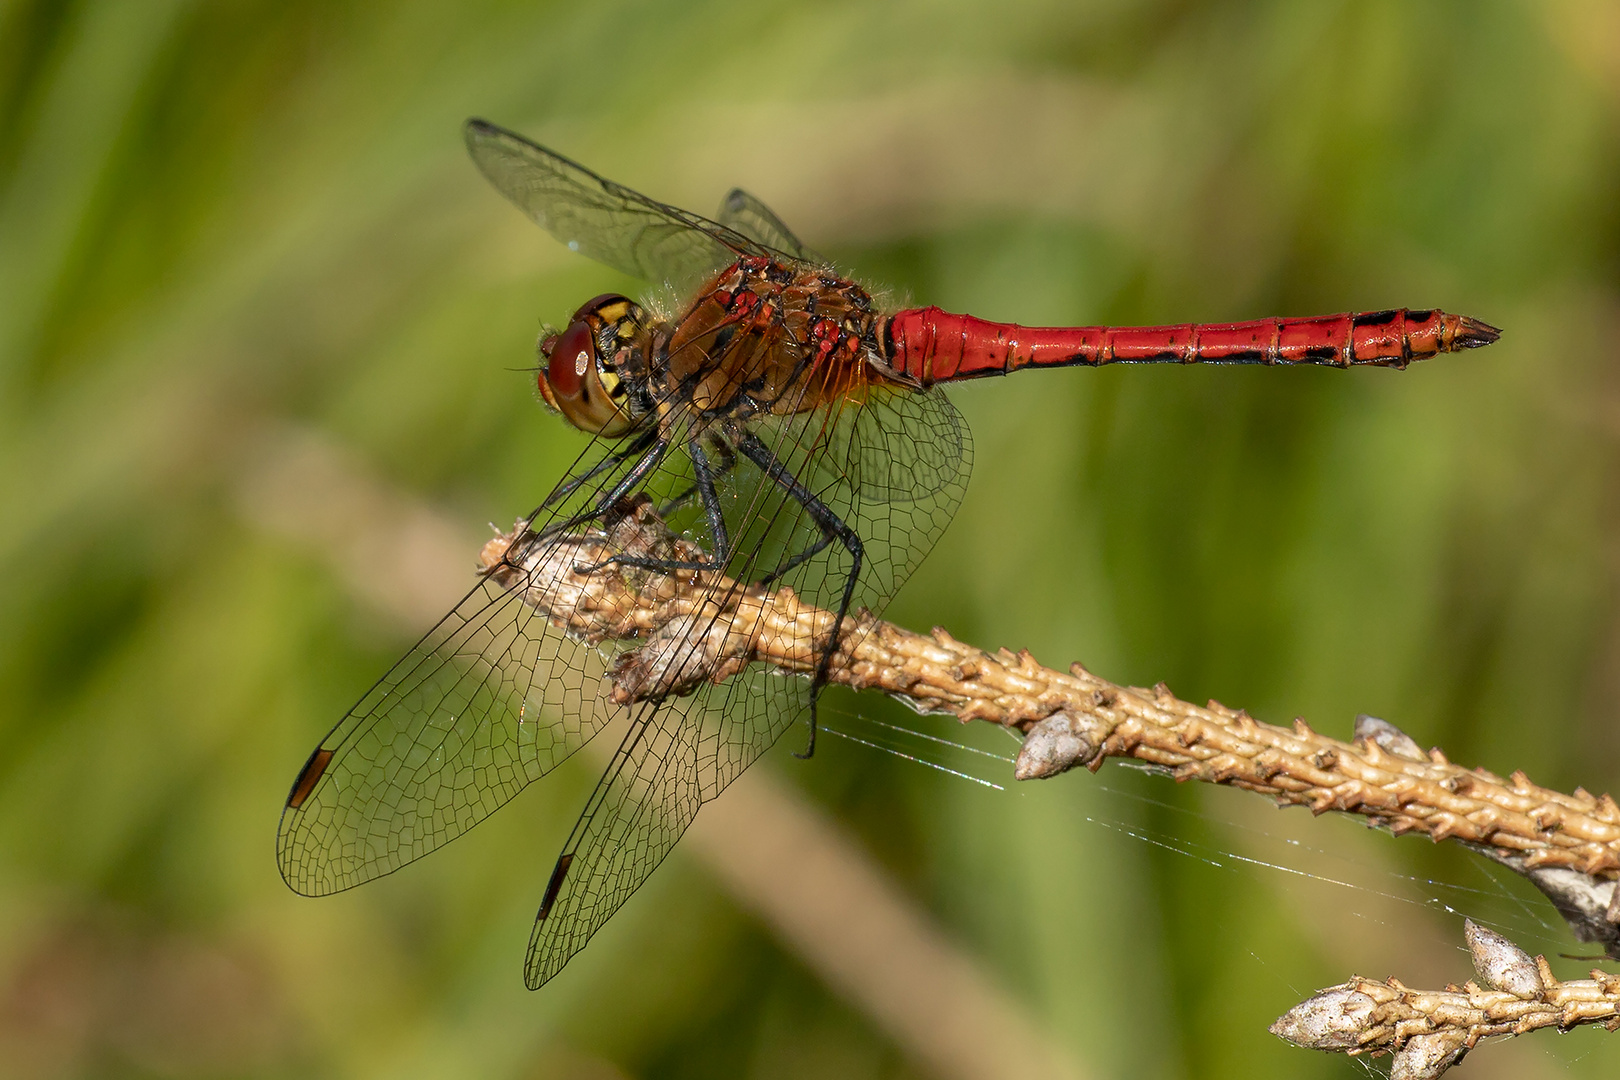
[{"x": 793, "y": 430}]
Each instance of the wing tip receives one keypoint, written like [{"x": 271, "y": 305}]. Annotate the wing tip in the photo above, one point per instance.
[
  {"x": 289, "y": 870},
  {"x": 541, "y": 965},
  {"x": 477, "y": 131}
]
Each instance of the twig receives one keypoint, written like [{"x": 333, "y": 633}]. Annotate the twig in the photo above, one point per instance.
[
  {"x": 1429, "y": 1031},
  {"x": 696, "y": 626},
  {"x": 829, "y": 905}
]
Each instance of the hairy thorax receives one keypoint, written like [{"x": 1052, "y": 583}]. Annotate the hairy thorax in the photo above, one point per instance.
[{"x": 764, "y": 337}]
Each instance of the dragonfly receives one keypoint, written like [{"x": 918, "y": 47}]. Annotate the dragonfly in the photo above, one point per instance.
[{"x": 794, "y": 433}]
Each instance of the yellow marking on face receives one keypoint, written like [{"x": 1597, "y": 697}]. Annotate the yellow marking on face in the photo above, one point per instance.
[{"x": 613, "y": 312}]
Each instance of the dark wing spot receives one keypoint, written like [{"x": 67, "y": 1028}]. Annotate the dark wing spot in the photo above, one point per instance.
[
  {"x": 555, "y": 885},
  {"x": 309, "y": 776}
]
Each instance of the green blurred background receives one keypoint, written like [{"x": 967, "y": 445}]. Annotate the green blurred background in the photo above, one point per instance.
[{"x": 232, "y": 230}]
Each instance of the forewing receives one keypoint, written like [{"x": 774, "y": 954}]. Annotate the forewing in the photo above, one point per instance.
[
  {"x": 493, "y": 698},
  {"x": 594, "y": 216},
  {"x": 496, "y": 696},
  {"x": 746, "y": 214}
]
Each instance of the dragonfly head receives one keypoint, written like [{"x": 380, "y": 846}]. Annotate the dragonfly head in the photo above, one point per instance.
[{"x": 583, "y": 369}]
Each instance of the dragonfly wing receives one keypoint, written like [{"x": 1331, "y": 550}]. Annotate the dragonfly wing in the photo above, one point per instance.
[
  {"x": 894, "y": 468},
  {"x": 594, "y": 216},
  {"x": 681, "y": 753},
  {"x": 493, "y": 698},
  {"x": 911, "y": 447},
  {"x": 497, "y": 695},
  {"x": 676, "y": 757},
  {"x": 746, "y": 214}
]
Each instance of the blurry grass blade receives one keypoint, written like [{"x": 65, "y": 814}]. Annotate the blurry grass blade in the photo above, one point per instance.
[{"x": 87, "y": 101}]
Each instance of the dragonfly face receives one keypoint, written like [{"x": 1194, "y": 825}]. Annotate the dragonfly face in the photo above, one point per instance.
[{"x": 587, "y": 371}]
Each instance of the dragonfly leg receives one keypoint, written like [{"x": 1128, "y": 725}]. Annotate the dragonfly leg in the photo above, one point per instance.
[
  {"x": 704, "y": 476},
  {"x": 728, "y": 461},
  {"x": 832, "y": 528},
  {"x": 802, "y": 557},
  {"x": 650, "y": 460},
  {"x": 612, "y": 461}
]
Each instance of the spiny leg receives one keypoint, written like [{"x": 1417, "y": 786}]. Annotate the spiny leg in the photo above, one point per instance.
[
  {"x": 832, "y": 527},
  {"x": 650, "y": 460},
  {"x": 728, "y": 461},
  {"x": 802, "y": 557},
  {"x": 704, "y": 484},
  {"x": 637, "y": 447}
]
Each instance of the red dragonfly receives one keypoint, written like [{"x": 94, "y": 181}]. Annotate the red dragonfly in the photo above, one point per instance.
[{"x": 790, "y": 428}]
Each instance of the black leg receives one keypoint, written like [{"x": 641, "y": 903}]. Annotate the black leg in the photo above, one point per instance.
[
  {"x": 728, "y": 461},
  {"x": 832, "y": 528},
  {"x": 650, "y": 460},
  {"x": 704, "y": 485},
  {"x": 611, "y": 461},
  {"x": 802, "y": 557},
  {"x": 705, "y": 476}
]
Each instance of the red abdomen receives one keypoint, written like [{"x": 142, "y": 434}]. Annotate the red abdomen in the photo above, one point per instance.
[{"x": 931, "y": 345}]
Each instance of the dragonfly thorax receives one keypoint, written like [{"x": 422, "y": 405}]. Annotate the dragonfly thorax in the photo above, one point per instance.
[
  {"x": 587, "y": 371},
  {"x": 768, "y": 338}
]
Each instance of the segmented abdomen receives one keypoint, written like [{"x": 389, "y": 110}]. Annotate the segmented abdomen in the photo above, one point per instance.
[{"x": 931, "y": 345}]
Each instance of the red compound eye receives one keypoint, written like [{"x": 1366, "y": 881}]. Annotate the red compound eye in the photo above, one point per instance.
[
  {"x": 577, "y": 380},
  {"x": 571, "y": 358}
]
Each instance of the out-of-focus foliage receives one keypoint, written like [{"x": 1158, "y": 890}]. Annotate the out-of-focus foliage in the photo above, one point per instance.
[{"x": 218, "y": 220}]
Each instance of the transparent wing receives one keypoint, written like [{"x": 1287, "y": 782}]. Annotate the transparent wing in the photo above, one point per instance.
[
  {"x": 746, "y": 214},
  {"x": 609, "y": 222},
  {"x": 672, "y": 761},
  {"x": 493, "y": 698},
  {"x": 496, "y": 695},
  {"x": 676, "y": 758},
  {"x": 913, "y": 449}
]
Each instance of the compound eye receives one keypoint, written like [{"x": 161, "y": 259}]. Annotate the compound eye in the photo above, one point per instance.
[{"x": 571, "y": 357}]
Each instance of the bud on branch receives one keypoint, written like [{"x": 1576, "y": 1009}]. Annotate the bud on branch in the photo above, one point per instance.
[{"x": 1429, "y": 1031}]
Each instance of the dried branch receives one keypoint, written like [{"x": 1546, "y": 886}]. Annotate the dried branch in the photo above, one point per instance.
[
  {"x": 1429, "y": 1031},
  {"x": 828, "y": 904},
  {"x": 695, "y": 626}
]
